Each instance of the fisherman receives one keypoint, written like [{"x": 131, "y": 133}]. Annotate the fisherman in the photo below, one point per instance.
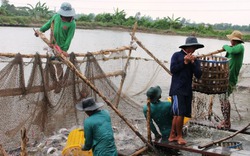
[
  {"x": 62, "y": 26},
  {"x": 235, "y": 54},
  {"x": 160, "y": 113},
  {"x": 183, "y": 66},
  {"x": 98, "y": 130}
]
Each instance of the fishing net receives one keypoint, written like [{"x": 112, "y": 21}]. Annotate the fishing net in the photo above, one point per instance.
[
  {"x": 40, "y": 95},
  {"x": 207, "y": 106}
]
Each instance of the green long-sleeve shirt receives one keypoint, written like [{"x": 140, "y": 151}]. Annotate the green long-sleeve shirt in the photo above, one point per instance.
[
  {"x": 63, "y": 31},
  {"x": 99, "y": 134},
  {"x": 161, "y": 115},
  {"x": 235, "y": 55}
]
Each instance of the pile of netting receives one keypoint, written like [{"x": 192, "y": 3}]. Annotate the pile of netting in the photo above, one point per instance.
[{"x": 40, "y": 94}]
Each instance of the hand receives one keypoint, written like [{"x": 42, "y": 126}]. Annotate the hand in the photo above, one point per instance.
[
  {"x": 189, "y": 58},
  {"x": 186, "y": 59},
  {"x": 192, "y": 58},
  {"x": 36, "y": 33}
]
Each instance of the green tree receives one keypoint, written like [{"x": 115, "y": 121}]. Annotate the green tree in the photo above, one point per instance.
[
  {"x": 3, "y": 11},
  {"x": 161, "y": 23},
  {"x": 119, "y": 17},
  {"x": 105, "y": 18},
  {"x": 130, "y": 21},
  {"x": 87, "y": 18},
  {"x": 145, "y": 21},
  {"x": 39, "y": 10},
  {"x": 174, "y": 22}
]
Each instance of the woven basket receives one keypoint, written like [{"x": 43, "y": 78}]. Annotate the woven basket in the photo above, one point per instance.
[{"x": 215, "y": 75}]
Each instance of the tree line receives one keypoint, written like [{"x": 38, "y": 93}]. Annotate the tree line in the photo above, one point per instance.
[{"x": 40, "y": 13}]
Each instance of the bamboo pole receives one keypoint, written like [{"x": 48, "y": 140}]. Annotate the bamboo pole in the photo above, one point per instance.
[
  {"x": 212, "y": 53},
  {"x": 125, "y": 68},
  {"x": 143, "y": 149},
  {"x": 24, "y": 142},
  {"x": 3, "y": 152},
  {"x": 223, "y": 139},
  {"x": 104, "y": 52},
  {"x": 148, "y": 121},
  {"x": 210, "y": 107},
  {"x": 78, "y": 61},
  {"x": 150, "y": 54},
  {"x": 36, "y": 89},
  {"x": 80, "y": 75}
]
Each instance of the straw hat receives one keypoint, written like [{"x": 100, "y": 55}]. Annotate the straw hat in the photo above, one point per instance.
[
  {"x": 88, "y": 104},
  {"x": 236, "y": 35},
  {"x": 192, "y": 41},
  {"x": 154, "y": 93},
  {"x": 66, "y": 10}
]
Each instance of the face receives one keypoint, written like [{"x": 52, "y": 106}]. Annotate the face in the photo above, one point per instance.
[
  {"x": 67, "y": 19},
  {"x": 234, "y": 42},
  {"x": 190, "y": 49}
]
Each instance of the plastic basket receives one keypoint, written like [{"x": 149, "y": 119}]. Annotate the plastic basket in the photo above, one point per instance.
[{"x": 74, "y": 144}]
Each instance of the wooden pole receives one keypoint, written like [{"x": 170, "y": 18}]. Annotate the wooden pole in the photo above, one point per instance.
[
  {"x": 3, "y": 152},
  {"x": 148, "y": 121},
  {"x": 212, "y": 53},
  {"x": 103, "y": 52},
  {"x": 24, "y": 142},
  {"x": 223, "y": 139},
  {"x": 125, "y": 68},
  {"x": 80, "y": 75},
  {"x": 150, "y": 54},
  {"x": 210, "y": 107},
  {"x": 143, "y": 149}
]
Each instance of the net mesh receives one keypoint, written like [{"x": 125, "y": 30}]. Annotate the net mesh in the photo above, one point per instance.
[{"x": 40, "y": 95}]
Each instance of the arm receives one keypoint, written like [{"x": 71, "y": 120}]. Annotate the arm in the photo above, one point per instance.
[
  {"x": 88, "y": 134},
  {"x": 239, "y": 48},
  {"x": 46, "y": 26},
  {"x": 177, "y": 63}
]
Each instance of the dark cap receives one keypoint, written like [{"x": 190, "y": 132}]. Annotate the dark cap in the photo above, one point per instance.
[
  {"x": 154, "y": 93},
  {"x": 88, "y": 104},
  {"x": 192, "y": 41}
]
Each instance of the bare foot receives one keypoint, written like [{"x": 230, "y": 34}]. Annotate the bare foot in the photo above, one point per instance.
[
  {"x": 224, "y": 126},
  {"x": 171, "y": 139},
  {"x": 181, "y": 141}
]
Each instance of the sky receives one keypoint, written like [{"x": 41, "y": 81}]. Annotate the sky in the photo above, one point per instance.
[{"x": 198, "y": 11}]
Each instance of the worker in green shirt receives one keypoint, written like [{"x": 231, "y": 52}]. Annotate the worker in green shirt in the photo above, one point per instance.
[
  {"x": 160, "y": 113},
  {"x": 62, "y": 26},
  {"x": 235, "y": 54},
  {"x": 98, "y": 130}
]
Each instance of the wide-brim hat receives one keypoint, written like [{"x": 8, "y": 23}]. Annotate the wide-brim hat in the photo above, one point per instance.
[
  {"x": 66, "y": 10},
  {"x": 88, "y": 104},
  {"x": 154, "y": 93},
  {"x": 236, "y": 35},
  {"x": 192, "y": 41}
]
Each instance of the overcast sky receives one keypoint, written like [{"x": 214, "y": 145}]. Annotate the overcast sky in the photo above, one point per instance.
[{"x": 206, "y": 11}]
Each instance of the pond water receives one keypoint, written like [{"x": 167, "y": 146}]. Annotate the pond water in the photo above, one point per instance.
[{"x": 22, "y": 40}]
